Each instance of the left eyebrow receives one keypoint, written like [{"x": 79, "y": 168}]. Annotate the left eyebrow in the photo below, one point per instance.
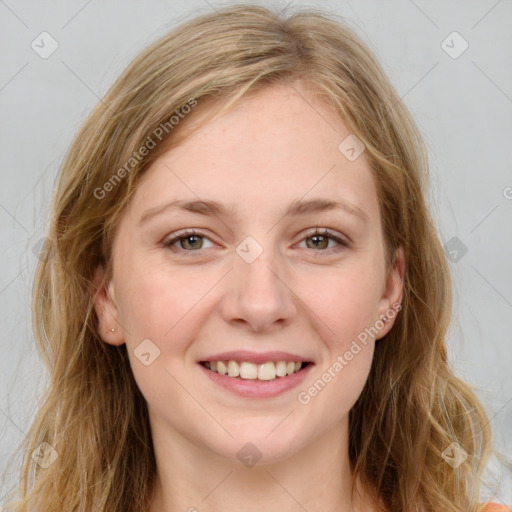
[
  {"x": 322, "y": 205},
  {"x": 207, "y": 207}
]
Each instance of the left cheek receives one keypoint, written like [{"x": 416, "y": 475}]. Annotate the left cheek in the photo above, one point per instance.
[
  {"x": 346, "y": 306},
  {"x": 340, "y": 382}
]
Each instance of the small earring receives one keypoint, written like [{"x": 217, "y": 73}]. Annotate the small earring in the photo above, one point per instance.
[{"x": 112, "y": 330}]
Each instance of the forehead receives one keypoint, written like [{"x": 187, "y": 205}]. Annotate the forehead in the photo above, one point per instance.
[{"x": 271, "y": 149}]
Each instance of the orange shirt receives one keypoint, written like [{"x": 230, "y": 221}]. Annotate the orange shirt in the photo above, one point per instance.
[{"x": 495, "y": 507}]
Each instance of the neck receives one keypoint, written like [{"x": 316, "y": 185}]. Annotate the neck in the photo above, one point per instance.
[{"x": 192, "y": 478}]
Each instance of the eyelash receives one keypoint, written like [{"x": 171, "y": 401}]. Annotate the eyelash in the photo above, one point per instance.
[{"x": 316, "y": 232}]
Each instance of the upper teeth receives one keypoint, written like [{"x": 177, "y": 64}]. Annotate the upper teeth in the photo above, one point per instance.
[{"x": 246, "y": 370}]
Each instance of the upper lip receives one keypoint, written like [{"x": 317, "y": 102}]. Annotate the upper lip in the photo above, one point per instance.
[{"x": 255, "y": 357}]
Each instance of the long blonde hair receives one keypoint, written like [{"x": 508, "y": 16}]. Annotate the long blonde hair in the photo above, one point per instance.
[{"x": 93, "y": 415}]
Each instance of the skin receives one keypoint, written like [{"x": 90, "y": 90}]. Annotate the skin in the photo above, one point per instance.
[{"x": 270, "y": 150}]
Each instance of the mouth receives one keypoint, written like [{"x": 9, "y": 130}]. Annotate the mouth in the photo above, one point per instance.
[
  {"x": 249, "y": 371},
  {"x": 259, "y": 379}
]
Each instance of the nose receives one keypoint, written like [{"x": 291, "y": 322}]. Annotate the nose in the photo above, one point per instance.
[{"x": 258, "y": 294}]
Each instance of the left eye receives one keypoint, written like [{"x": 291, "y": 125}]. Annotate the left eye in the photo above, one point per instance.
[
  {"x": 193, "y": 240},
  {"x": 321, "y": 239}
]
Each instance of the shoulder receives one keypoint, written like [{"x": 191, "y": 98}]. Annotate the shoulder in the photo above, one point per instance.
[{"x": 495, "y": 507}]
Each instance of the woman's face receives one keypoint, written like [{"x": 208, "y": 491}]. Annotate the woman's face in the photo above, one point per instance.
[{"x": 254, "y": 281}]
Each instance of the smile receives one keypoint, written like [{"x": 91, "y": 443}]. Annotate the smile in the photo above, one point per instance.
[{"x": 245, "y": 370}]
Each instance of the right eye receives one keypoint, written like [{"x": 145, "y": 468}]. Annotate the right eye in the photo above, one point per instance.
[{"x": 191, "y": 238}]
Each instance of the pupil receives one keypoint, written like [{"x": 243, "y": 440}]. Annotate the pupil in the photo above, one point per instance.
[
  {"x": 317, "y": 238},
  {"x": 193, "y": 238}
]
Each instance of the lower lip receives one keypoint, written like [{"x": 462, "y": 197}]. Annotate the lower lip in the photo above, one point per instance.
[{"x": 255, "y": 388}]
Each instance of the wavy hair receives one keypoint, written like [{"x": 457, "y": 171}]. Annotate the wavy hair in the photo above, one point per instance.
[{"x": 92, "y": 413}]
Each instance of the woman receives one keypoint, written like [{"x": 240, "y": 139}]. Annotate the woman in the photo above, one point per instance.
[{"x": 242, "y": 300}]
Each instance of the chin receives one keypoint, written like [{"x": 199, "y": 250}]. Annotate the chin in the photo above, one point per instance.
[{"x": 249, "y": 446}]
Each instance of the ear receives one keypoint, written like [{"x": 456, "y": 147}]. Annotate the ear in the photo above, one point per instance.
[
  {"x": 391, "y": 300},
  {"x": 106, "y": 309}
]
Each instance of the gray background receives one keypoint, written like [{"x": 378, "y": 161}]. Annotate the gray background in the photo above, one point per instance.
[{"x": 463, "y": 107}]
